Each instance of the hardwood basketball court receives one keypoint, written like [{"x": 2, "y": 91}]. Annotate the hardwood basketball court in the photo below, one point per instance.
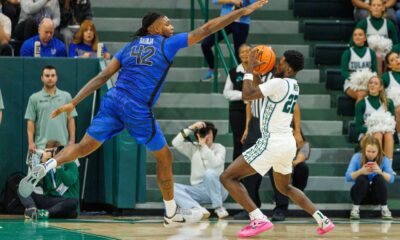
[{"x": 107, "y": 227}]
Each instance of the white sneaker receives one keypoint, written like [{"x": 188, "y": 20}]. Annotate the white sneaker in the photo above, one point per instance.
[
  {"x": 183, "y": 217},
  {"x": 355, "y": 214},
  {"x": 221, "y": 212},
  {"x": 386, "y": 214},
  {"x": 29, "y": 182},
  {"x": 205, "y": 212}
]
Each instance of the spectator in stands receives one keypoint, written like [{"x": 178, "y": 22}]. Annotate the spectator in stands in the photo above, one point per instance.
[
  {"x": 73, "y": 13},
  {"x": 233, "y": 92},
  {"x": 358, "y": 56},
  {"x": 49, "y": 45},
  {"x": 60, "y": 198},
  {"x": 377, "y": 24},
  {"x": 86, "y": 42},
  {"x": 369, "y": 170},
  {"x": 41, "y": 127},
  {"x": 1, "y": 107},
  {"x": 12, "y": 9},
  {"x": 299, "y": 180},
  {"x": 239, "y": 30},
  {"x": 207, "y": 163},
  {"x": 32, "y": 13},
  {"x": 391, "y": 81},
  {"x": 362, "y": 9},
  {"x": 376, "y": 101},
  {"x": 5, "y": 36}
]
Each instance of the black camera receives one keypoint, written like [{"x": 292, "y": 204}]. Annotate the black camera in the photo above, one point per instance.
[{"x": 205, "y": 130}]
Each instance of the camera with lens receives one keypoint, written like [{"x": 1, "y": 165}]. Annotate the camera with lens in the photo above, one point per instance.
[
  {"x": 36, "y": 157},
  {"x": 202, "y": 132}
]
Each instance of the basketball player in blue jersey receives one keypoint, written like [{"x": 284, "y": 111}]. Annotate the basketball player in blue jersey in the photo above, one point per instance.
[{"x": 143, "y": 65}]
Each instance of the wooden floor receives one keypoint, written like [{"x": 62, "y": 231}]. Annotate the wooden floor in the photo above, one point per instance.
[{"x": 95, "y": 228}]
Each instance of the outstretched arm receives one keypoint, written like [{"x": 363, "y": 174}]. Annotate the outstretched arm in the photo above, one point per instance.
[
  {"x": 219, "y": 23},
  {"x": 94, "y": 84}
]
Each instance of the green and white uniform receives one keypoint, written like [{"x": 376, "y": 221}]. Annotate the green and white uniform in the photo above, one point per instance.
[
  {"x": 379, "y": 26},
  {"x": 365, "y": 108},
  {"x": 382, "y": 31},
  {"x": 277, "y": 147},
  {"x": 357, "y": 58}
]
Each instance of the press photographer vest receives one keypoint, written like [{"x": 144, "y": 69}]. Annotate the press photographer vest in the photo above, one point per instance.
[
  {"x": 236, "y": 74},
  {"x": 357, "y": 63}
]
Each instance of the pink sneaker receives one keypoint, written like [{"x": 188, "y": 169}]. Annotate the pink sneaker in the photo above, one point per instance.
[
  {"x": 255, "y": 227},
  {"x": 327, "y": 225}
]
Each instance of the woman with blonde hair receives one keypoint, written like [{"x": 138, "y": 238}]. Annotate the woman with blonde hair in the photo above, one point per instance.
[
  {"x": 86, "y": 42},
  {"x": 369, "y": 170},
  {"x": 375, "y": 115}
]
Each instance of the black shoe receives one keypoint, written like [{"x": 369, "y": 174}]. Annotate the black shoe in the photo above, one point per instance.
[
  {"x": 278, "y": 216},
  {"x": 242, "y": 215}
]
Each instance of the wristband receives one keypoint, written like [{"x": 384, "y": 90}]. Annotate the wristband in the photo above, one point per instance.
[{"x": 248, "y": 76}]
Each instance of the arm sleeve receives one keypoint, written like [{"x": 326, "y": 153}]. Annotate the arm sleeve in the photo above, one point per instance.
[
  {"x": 32, "y": 7},
  {"x": 385, "y": 79},
  {"x": 62, "y": 51},
  {"x": 305, "y": 150},
  {"x": 374, "y": 66},
  {"x": 344, "y": 64},
  {"x": 72, "y": 50},
  {"x": 362, "y": 24},
  {"x": 229, "y": 93},
  {"x": 30, "y": 113},
  {"x": 26, "y": 49},
  {"x": 360, "y": 108},
  {"x": 186, "y": 148},
  {"x": 213, "y": 159},
  {"x": 352, "y": 167},
  {"x": 174, "y": 43},
  {"x": 68, "y": 174},
  {"x": 276, "y": 87},
  {"x": 387, "y": 168},
  {"x": 392, "y": 32}
]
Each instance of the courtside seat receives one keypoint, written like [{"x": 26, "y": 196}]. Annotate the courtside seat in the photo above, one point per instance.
[
  {"x": 328, "y": 54},
  {"x": 323, "y": 8},
  {"x": 328, "y": 30},
  {"x": 334, "y": 79},
  {"x": 345, "y": 106}
]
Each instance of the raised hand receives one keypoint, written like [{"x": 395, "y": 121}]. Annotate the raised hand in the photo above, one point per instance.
[
  {"x": 251, "y": 8},
  {"x": 64, "y": 108}
]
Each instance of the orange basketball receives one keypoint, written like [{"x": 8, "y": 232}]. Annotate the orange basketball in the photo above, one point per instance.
[{"x": 267, "y": 56}]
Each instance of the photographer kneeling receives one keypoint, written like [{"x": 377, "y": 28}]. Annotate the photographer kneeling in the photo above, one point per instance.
[
  {"x": 60, "y": 196},
  {"x": 207, "y": 163}
]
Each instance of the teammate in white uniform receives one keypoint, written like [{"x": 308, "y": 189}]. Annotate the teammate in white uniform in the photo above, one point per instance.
[{"x": 277, "y": 146}]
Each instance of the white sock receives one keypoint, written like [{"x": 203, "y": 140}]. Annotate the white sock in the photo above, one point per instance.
[
  {"x": 50, "y": 164},
  {"x": 318, "y": 216},
  {"x": 356, "y": 207},
  {"x": 170, "y": 207},
  {"x": 256, "y": 214},
  {"x": 384, "y": 207}
]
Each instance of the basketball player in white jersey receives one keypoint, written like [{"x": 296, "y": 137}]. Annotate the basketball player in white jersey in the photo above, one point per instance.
[{"x": 277, "y": 146}]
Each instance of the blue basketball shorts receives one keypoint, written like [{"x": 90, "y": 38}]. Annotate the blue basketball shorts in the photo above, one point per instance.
[{"x": 118, "y": 112}]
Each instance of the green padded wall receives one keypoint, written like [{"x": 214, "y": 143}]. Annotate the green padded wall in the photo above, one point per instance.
[{"x": 114, "y": 172}]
